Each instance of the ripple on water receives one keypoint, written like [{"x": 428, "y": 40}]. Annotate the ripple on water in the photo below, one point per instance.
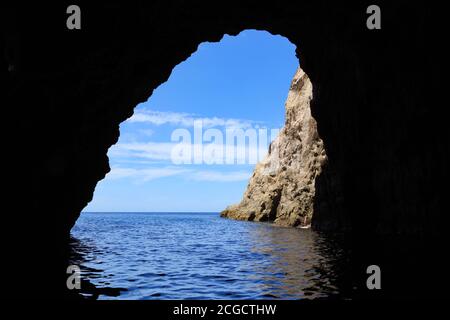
[{"x": 202, "y": 256}]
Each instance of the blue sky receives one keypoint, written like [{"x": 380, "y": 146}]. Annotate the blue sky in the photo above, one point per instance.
[{"x": 241, "y": 81}]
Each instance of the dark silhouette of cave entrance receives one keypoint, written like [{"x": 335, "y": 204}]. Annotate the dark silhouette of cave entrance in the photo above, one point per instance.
[
  {"x": 368, "y": 102},
  {"x": 232, "y": 99}
]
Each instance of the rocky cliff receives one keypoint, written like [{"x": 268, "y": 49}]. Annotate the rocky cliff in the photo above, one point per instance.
[{"x": 282, "y": 186}]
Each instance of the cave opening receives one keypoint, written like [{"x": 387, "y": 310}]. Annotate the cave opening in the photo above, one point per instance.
[
  {"x": 86, "y": 83},
  {"x": 187, "y": 154},
  {"x": 198, "y": 137}
]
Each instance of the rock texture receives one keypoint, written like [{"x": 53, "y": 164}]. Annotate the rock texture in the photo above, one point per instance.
[
  {"x": 377, "y": 103},
  {"x": 282, "y": 186}
]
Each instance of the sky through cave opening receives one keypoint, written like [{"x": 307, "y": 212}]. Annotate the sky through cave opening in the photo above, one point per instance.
[{"x": 236, "y": 85}]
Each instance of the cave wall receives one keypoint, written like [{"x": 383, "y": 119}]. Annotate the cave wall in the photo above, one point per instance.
[{"x": 66, "y": 92}]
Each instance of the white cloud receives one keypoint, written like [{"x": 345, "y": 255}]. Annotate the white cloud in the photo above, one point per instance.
[
  {"x": 162, "y": 151},
  {"x": 143, "y": 174},
  {"x": 149, "y": 150},
  {"x": 148, "y": 174},
  {"x": 187, "y": 120}
]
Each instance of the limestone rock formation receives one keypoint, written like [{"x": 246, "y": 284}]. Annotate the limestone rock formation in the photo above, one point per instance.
[{"x": 281, "y": 188}]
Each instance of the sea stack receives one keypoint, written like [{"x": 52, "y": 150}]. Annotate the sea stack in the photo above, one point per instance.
[{"x": 281, "y": 189}]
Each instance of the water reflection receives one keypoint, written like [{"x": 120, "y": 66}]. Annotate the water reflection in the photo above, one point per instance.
[
  {"x": 300, "y": 263},
  {"x": 82, "y": 253},
  {"x": 202, "y": 256}
]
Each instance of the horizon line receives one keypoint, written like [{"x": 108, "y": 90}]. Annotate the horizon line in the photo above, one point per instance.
[{"x": 149, "y": 212}]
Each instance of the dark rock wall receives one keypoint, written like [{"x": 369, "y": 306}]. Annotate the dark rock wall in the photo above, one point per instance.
[{"x": 66, "y": 92}]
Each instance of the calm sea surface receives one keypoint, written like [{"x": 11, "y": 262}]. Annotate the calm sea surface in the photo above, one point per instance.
[{"x": 203, "y": 256}]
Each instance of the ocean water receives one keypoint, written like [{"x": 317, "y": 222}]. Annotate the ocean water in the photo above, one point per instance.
[{"x": 203, "y": 256}]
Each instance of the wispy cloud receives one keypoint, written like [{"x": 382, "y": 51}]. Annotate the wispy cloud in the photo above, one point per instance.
[
  {"x": 148, "y": 174},
  {"x": 147, "y": 150},
  {"x": 143, "y": 174},
  {"x": 187, "y": 119},
  {"x": 162, "y": 151}
]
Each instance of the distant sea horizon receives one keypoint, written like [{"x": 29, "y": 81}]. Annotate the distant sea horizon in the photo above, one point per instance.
[{"x": 150, "y": 212}]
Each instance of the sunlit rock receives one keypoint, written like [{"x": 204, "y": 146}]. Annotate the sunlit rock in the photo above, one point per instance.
[{"x": 281, "y": 188}]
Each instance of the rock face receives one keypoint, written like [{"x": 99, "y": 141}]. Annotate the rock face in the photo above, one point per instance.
[{"x": 282, "y": 186}]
